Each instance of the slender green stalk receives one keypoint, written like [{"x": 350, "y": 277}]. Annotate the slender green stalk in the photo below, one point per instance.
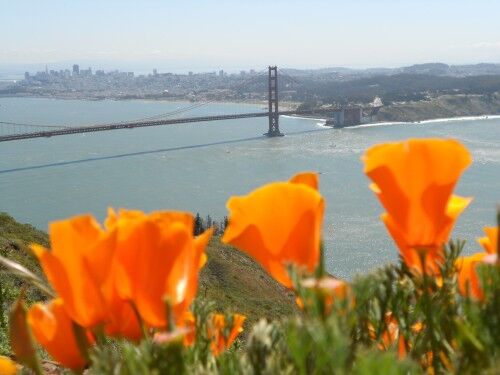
[
  {"x": 81, "y": 341},
  {"x": 320, "y": 270},
  {"x": 3, "y": 320},
  {"x": 144, "y": 329},
  {"x": 170, "y": 315},
  {"x": 429, "y": 317}
]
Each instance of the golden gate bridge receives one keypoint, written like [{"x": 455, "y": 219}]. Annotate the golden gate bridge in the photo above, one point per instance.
[{"x": 11, "y": 131}]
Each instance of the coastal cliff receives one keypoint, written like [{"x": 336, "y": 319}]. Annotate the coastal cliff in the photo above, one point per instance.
[{"x": 444, "y": 106}]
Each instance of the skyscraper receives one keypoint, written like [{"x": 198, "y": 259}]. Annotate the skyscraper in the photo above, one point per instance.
[{"x": 76, "y": 70}]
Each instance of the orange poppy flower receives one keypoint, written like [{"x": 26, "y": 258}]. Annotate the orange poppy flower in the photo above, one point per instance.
[
  {"x": 391, "y": 335},
  {"x": 122, "y": 319},
  {"x": 278, "y": 224},
  {"x": 468, "y": 279},
  {"x": 414, "y": 181},
  {"x": 189, "y": 323},
  {"x": 490, "y": 242},
  {"x": 222, "y": 337},
  {"x": 7, "y": 366},
  {"x": 157, "y": 259},
  {"x": 310, "y": 179},
  {"x": 76, "y": 265},
  {"x": 53, "y": 329}
]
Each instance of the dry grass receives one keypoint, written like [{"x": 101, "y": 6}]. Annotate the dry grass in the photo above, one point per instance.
[{"x": 236, "y": 283}]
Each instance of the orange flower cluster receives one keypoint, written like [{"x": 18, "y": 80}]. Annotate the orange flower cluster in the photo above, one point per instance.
[
  {"x": 140, "y": 269},
  {"x": 119, "y": 277},
  {"x": 222, "y": 337},
  {"x": 53, "y": 329},
  {"x": 468, "y": 279},
  {"x": 414, "y": 181}
]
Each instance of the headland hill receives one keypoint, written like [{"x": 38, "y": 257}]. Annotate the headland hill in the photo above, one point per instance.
[{"x": 409, "y": 94}]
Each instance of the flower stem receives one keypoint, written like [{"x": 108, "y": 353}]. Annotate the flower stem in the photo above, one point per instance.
[
  {"x": 170, "y": 315},
  {"x": 320, "y": 270},
  {"x": 428, "y": 313},
  {"x": 81, "y": 341},
  {"x": 141, "y": 322}
]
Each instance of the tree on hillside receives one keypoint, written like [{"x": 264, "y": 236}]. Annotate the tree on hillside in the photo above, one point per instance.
[{"x": 199, "y": 226}]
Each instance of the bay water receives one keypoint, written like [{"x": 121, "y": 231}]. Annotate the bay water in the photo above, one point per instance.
[{"x": 198, "y": 166}]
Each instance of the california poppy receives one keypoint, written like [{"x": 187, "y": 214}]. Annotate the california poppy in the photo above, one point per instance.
[
  {"x": 392, "y": 335},
  {"x": 468, "y": 279},
  {"x": 156, "y": 262},
  {"x": 414, "y": 181},
  {"x": 7, "y": 366},
  {"x": 104, "y": 276},
  {"x": 77, "y": 265},
  {"x": 490, "y": 241},
  {"x": 279, "y": 224},
  {"x": 53, "y": 329},
  {"x": 122, "y": 320},
  {"x": 222, "y": 337},
  {"x": 189, "y": 324}
]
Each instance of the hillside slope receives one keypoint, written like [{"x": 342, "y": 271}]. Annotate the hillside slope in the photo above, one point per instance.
[{"x": 444, "y": 106}]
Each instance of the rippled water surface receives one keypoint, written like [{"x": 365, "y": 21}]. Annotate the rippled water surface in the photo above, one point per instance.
[{"x": 198, "y": 166}]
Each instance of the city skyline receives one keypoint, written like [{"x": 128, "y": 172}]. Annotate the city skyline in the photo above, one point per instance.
[{"x": 202, "y": 35}]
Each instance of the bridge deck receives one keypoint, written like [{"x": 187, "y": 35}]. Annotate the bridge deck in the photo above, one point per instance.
[{"x": 142, "y": 124}]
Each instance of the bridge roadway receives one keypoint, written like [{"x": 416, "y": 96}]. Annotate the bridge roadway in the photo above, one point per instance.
[{"x": 141, "y": 124}]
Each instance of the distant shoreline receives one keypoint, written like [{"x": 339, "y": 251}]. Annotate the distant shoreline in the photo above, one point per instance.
[
  {"x": 423, "y": 122},
  {"x": 283, "y": 104},
  {"x": 443, "y": 108}
]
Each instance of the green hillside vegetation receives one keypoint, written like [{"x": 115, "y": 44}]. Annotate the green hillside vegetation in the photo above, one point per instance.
[
  {"x": 14, "y": 245},
  {"x": 236, "y": 283},
  {"x": 393, "y": 88}
]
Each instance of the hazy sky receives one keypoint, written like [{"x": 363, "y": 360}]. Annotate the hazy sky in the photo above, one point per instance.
[{"x": 202, "y": 34}]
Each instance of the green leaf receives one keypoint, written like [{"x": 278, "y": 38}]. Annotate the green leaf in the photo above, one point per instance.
[
  {"x": 19, "y": 270},
  {"x": 466, "y": 332}
]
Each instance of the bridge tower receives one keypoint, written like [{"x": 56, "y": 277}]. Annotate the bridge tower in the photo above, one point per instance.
[{"x": 274, "y": 128}]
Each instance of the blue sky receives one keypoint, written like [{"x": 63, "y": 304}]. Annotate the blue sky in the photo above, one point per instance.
[{"x": 202, "y": 34}]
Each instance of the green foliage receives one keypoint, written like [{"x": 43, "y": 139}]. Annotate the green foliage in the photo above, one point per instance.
[
  {"x": 122, "y": 357},
  {"x": 373, "y": 362},
  {"x": 14, "y": 241},
  {"x": 440, "y": 331}
]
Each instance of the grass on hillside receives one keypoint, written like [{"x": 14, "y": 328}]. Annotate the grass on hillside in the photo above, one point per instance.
[{"x": 236, "y": 283}]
